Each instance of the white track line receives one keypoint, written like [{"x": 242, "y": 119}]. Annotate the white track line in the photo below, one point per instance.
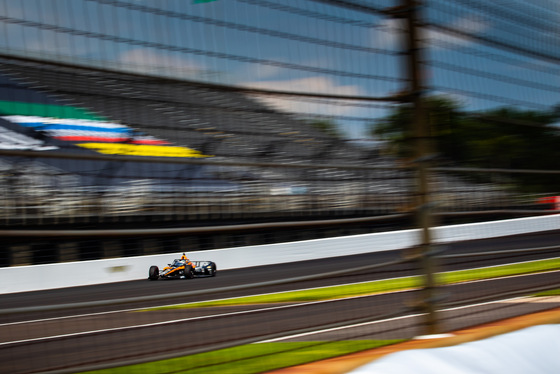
[
  {"x": 264, "y": 294},
  {"x": 196, "y": 302},
  {"x": 391, "y": 319},
  {"x": 84, "y": 333},
  {"x": 181, "y": 320},
  {"x": 379, "y": 321}
]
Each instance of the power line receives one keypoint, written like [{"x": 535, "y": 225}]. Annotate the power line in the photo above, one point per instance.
[
  {"x": 511, "y": 14},
  {"x": 310, "y": 14},
  {"x": 493, "y": 76},
  {"x": 490, "y": 97},
  {"x": 493, "y": 42},
  {"x": 488, "y": 55},
  {"x": 241, "y": 27},
  {"x": 194, "y": 51}
]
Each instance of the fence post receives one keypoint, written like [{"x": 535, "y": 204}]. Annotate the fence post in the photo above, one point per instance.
[{"x": 422, "y": 154}]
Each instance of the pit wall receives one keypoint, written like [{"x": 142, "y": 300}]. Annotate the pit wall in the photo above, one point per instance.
[{"x": 71, "y": 274}]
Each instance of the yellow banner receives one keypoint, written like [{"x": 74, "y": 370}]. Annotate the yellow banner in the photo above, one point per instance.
[{"x": 142, "y": 150}]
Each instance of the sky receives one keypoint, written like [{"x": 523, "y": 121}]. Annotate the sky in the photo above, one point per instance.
[{"x": 306, "y": 46}]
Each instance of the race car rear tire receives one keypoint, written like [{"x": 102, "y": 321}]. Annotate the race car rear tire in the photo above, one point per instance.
[
  {"x": 214, "y": 270},
  {"x": 189, "y": 273},
  {"x": 153, "y": 273}
]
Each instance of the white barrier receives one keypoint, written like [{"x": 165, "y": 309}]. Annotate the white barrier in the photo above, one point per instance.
[
  {"x": 42, "y": 277},
  {"x": 532, "y": 350}
]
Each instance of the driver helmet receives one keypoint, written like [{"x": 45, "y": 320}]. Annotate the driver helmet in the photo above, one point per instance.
[{"x": 186, "y": 260}]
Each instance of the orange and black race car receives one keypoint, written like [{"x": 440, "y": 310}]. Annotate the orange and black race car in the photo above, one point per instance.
[{"x": 183, "y": 268}]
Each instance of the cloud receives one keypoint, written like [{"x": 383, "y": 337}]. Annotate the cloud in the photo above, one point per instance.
[
  {"x": 263, "y": 71},
  {"x": 149, "y": 61},
  {"x": 472, "y": 25},
  {"x": 389, "y": 32},
  {"x": 321, "y": 85},
  {"x": 58, "y": 45},
  {"x": 467, "y": 25}
]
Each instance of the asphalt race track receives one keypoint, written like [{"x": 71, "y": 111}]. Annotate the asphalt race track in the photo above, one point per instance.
[{"x": 62, "y": 339}]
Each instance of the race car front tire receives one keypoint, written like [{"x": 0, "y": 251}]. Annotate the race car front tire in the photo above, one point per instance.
[
  {"x": 214, "y": 270},
  {"x": 153, "y": 273},
  {"x": 189, "y": 273}
]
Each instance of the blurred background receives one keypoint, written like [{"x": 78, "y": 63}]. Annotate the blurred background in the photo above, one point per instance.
[
  {"x": 193, "y": 95},
  {"x": 255, "y": 122}
]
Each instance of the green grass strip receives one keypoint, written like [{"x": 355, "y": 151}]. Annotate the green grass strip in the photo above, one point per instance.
[
  {"x": 324, "y": 293},
  {"x": 258, "y": 358},
  {"x": 380, "y": 286},
  {"x": 500, "y": 271},
  {"x": 251, "y": 358},
  {"x": 45, "y": 110},
  {"x": 548, "y": 293}
]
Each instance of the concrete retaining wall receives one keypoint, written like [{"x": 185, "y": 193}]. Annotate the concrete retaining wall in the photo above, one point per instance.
[{"x": 42, "y": 277}]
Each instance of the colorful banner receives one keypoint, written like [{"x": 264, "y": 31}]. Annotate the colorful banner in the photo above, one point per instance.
[
  {"x": 46, "y": 110},
  {"x": 142, "y": 150},
  {"x": 87, "y": 131},
  {"x": 80, "y": 130}
]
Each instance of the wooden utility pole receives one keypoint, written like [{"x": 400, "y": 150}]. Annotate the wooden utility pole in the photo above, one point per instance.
[{"x": 420, "y": 130}]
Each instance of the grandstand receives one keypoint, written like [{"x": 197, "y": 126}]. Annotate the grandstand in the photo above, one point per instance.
[
  {"x": 67, "y": 105},
  {"x": 221, "y": 123},
  {"x": 89, "y": 111}
]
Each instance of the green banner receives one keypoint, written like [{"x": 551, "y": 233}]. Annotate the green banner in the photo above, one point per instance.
[{"x": 45, "y": 110}]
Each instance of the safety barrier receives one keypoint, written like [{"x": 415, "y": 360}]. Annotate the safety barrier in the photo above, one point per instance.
[
  {"x": 533, "y": 349},
  {"x": 71, "y": 274}
]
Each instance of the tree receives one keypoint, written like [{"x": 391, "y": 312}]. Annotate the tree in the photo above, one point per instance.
[
  {"x": 443, "y": 115},
  {"x": 326, "y": 126},
  {"x": 500, "y": 138}
]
